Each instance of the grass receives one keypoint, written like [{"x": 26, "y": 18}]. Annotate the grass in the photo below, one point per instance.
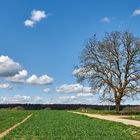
[
  {"x": 93, "y": 111},
  {"x": 135, "y": 117},
  {"x": 9, "y": 118},
  {"x": 111, "y": 112},
  {"x": 62, "y": 125}
]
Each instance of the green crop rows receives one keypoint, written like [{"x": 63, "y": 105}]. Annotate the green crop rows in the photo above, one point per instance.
[
  {"x": 62, "y": 125},
  {"x": 9, "y": 118},
  {"x": 92, "y": 111},
  {"x": 135, "y": 117}
]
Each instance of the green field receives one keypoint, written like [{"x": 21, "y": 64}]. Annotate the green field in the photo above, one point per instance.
[
  {"x": 9, "y": 118},
  {"x": 93, "y": 111},
  {"x": 63, "y": 125},
  {"x": 135, "y": 117},
  {"x": 112, "y": 112}
]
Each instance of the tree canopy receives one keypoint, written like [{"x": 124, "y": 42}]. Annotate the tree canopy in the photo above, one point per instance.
[{"x": 111, "y": 66}]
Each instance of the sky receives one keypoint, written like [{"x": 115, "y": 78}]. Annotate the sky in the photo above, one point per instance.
[{"x": 40, "y": 44}]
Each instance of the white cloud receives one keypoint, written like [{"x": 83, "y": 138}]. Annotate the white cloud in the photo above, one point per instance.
[
  {"x": 21, "y": 99},
  {"x": 8, "y": 67},
  {"x": 11, "y": 71},
  {"x": 87, "y": 89},
  {"x": 85, "y": 94},
  {"x": 29, "y": 22},
  {"x": 136, "y": 12},
  {"x": 70, "y": 88},
  {"x": 63, "y": 100},
  {"x": 91, "y": 100},
  {"x": 5, "y": 86},
  {"x": 82, "y": 72},
  {"x": 46, "y": 90},
  {"x": 105, "y": 20},
  {"x": 79, "y": 71},
  {"x": 73, "y": 88},
  {"x": 74, "y": 100},
  {"x": 19, "y": 77},
  {"x": 44, "y": 79},
  {"x": 36, "y": 16}
]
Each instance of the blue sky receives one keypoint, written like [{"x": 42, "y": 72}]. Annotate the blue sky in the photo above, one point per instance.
[{"x": 46, "y": 37}]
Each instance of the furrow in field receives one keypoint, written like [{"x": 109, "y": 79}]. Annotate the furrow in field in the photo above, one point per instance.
[{"x": 11, "y": 128}]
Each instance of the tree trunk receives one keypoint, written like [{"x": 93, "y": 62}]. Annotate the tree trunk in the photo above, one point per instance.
[{"x": 118, "y": 106}]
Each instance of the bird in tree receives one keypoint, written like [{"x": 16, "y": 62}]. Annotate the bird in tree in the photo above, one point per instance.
[{"x": 111, "y": 66}]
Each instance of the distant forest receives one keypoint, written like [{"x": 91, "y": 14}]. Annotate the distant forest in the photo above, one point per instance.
[{"x": 64, "y": 106}]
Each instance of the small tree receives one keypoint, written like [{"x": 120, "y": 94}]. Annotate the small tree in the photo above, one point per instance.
[{"x": 111, "y": 66}]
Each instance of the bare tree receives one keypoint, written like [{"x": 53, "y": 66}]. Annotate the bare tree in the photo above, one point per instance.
[{"x": 112, "y": 66}]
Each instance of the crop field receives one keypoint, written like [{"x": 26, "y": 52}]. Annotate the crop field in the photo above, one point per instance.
[
  {"x": 63, "y": 125},
  {"x": 92, "y": 111},
  {"x": 9, "y": 118},
  {"x": 135, "y": 117},
  {"x": 112, "y": 112}
]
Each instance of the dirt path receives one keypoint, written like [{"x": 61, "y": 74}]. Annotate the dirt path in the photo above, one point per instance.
[
  {"x": 111, "y": 118},
  {"x": 11, "y": 128}
]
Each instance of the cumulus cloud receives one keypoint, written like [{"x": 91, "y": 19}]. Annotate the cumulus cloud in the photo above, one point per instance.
[
  {"x": 94, "y": 100},
  {"x": 76, "y": 71},
  {"x": 136, "y": 12},
  {"x": 63, "y": 100},
  {"x": 8, "y": 67},
  {"x": 85, "y": 94},
  {"x": 11, "y": 71},
  {"x": 19, "y": 77},
  {"x": 44, "y": 79},
  {"x": 36, "y": 16},
  {"x": 46, "y": 90},
  {"x": 29, "y": 23},
  {"x": 87, "y": 90},
  {"x": 105, "y": 20},
  {"x": 21, "y": 99},
  {"x": 79, "y": 71},
  {"x": 74, "y": 100},
  {"x": 73, "y": 88},
  {"x": 70, "y": 88},
  {"x": 82, "y": 72},
  {"x": 5, "y": 86}
]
